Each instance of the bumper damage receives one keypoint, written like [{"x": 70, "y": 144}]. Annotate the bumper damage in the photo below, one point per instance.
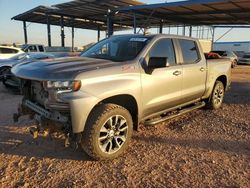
[{"x": 48, "y": 122}]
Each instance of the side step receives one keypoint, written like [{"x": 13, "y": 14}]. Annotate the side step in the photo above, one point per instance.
[{"x": 180, "y": 112}]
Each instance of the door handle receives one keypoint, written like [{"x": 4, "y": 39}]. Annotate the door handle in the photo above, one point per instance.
[
  {"x": 202, "y": 69},
  {"x": 176, "y": 73}
]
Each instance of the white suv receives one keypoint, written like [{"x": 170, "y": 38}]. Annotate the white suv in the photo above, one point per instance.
[{"x": 8, "y": 52}]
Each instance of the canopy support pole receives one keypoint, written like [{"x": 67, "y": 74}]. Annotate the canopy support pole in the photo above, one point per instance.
[
  {"x": 25, "y": 32},
  {"x": 190, "y": 31},
  {"x": 62, "y": 31},
  {"x": 134, "y": 23},
  {"x": 73, "y": 38},
  {"x": 49, "y": 31},
  {"x": 110, "y": 24},
  {"x": 213, "y": 33},
  {"x": 161, "y": 27},
  {"x": 98, "y": 33},
  {"x": 184, "y": 30}
]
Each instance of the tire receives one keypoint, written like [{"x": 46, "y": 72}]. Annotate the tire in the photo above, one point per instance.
[
  {"x": 216, "y": 99},
  {"x": 4, "y": 80},
  {"x": 111, "y": 142}
]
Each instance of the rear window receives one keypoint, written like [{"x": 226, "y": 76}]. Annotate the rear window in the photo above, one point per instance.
[
  {"x": 8, "y": 51},
  {"x": 40, "y": 48},
  {"x": 32, "y": 49},
  {"x": 189, "y": 51}
]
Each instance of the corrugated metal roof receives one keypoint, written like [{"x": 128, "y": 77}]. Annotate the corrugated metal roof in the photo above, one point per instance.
[
  {"x": 91, "y": 14},
  {"x": 86, "y": 14},
  {"x": 197, "y": 12}
]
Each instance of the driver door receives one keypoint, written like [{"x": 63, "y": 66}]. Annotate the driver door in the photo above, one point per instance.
[{"x": 162, "y": 88}]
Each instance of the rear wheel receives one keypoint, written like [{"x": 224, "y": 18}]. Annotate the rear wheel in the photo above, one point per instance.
[
  {"x": 107, "y": 132},
  {"x": 217, "y": 96}
]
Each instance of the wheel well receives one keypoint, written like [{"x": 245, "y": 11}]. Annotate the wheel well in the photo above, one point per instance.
[
  {"x": 128, "y": 102},
  {"x": 4, "y": 67},
  {"x": 223, "y": 79}
]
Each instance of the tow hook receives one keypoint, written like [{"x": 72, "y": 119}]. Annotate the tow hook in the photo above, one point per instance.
[
  {"x": 16, "y": 117},
  {"x": 67, "y": 140},
  {"x": 34, "y": 132},
  {"x": 19, "y": 113},
  {"x": 38, "y": 130},
  {"x": 72, "y": 141}
]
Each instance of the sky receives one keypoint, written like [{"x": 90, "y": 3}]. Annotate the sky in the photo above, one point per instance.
[{"x": 11, "y": 31}]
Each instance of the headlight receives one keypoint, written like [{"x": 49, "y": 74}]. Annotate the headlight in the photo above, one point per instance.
[{"x": 63, "y": 85}]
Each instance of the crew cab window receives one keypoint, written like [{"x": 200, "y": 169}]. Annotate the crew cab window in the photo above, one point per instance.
[
  {"x": 8, "y": 51},
  {"x": 189, "y": 51},
  {"x": 32, "y": 49},
  {"x": 41, "y": 49},
  {"x": 164, "y": 48}
]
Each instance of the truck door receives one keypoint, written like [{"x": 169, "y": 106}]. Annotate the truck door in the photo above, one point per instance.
[
  {"x": 162, "y": 88},
  {"x": 194, "y": 70}
]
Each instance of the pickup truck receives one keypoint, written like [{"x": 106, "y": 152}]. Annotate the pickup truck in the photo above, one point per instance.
[
  {"x": 31, "y": 48},
  {"x": 124, "y": 81}
]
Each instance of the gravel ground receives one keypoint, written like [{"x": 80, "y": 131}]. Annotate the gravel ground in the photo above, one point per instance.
[{"x": 200, "y": 149}]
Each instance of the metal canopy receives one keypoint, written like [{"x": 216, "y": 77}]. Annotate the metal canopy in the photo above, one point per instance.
[
  {"x": 92, "y": 14},
  {"x": 196, "y": 12},
  {"x": 85, "y": 14},
  {"x": 114, "y": 15}
]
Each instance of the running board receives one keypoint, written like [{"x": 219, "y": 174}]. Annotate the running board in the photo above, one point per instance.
[{"x": 181, "y": 112}]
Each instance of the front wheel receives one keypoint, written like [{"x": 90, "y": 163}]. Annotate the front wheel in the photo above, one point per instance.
[
  {"x": 107, "y": 132},
  {"x": 217, "y": 96}
]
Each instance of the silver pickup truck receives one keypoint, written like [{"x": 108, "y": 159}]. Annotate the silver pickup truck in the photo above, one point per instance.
[{"x": 119, "y": 83}]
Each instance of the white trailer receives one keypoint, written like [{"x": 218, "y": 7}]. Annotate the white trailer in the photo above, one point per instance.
[{"x": 243, "y": 46}]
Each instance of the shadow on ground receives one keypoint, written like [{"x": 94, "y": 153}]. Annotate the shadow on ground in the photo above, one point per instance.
[
  {"x": 232, "y": 146},
  {"x": 23, "y": 144},
  {"x": 239, "y": 93}
]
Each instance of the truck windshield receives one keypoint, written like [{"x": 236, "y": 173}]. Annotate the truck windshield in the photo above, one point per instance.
[{"x": 118, "y": 48}]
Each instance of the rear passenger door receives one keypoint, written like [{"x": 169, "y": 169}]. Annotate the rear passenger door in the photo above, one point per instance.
[{"x": 194, "y": 70}]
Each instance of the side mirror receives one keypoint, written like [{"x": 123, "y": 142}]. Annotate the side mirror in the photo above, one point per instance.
[{"x": 158, "y": 62}]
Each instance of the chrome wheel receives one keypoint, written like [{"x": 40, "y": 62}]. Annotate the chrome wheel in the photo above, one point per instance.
[
  {"x": 218, "y": 95},
  {"x": 113, "y": 134}
]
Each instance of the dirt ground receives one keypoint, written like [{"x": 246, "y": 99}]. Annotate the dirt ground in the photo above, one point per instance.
[{"x": 201, "y": 149}]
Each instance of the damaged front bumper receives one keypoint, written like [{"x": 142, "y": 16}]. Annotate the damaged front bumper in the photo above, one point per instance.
[
  {"x": 47, "y": 121},
  {"x": 54, "y": 116}
]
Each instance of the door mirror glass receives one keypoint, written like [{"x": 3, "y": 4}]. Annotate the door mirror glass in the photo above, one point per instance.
[{"x": 157, "y": 62}]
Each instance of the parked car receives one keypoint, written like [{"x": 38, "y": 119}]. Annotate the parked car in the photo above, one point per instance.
[
  {"x": 117, "y": 84},
  {"x": 8, "y": 52},
  {"x": 245, "y": 59},
  {"x": 228, "y": 54},
  {"x": 7, "y": 77}
]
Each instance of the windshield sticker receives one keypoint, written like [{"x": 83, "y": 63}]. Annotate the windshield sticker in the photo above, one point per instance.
[
  {"x": 138, "y": 39},
  {"x": 128, "y": 67}
]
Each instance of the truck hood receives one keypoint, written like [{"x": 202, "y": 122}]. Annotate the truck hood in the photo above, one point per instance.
[{"x": 59, "y": 69}]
